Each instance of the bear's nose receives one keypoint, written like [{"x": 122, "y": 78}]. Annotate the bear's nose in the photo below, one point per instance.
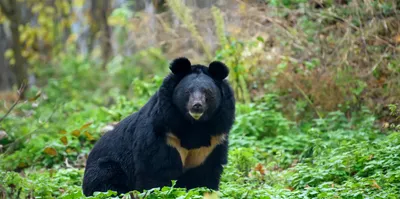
[{"x": 197, "y": 107}]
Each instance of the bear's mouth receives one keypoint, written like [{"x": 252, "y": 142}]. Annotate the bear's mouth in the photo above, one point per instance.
[{"x": 195, "y": 115}]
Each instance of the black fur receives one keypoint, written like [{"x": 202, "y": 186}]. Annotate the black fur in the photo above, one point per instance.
[{"x": 135, "y": 156}]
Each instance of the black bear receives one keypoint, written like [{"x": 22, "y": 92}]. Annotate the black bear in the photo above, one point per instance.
[{"x": 180, "y": 134}]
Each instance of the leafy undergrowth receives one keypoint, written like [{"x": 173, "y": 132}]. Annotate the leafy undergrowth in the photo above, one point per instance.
[{"x": 48, "y": 141}]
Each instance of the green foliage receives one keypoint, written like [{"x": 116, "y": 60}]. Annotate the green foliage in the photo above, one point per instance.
[
  {"x": 261, "y": 119},
  {"x": 231, "y": 55},
  {"x": 45, "y": 184},
  {"x": 269, "y": 157}
]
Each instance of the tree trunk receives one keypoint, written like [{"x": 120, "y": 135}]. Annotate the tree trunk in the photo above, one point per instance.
[
  {"x": 12, "y": 11},
  {"x": 99, "y": 12},
  {"x": 19, "y": 68},
  {"x": 105, "y": 32},
  {"x": 6, "y": 76}
]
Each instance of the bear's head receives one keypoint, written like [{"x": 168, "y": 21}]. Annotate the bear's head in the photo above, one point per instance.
[{"x": 199, "y": 93}]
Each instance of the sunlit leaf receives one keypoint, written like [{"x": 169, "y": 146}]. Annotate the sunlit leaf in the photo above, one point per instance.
[
  {"x": 78, "y": 3},
  {"x": 210, "y": 196},
  {"x": 9, "y": 53}
]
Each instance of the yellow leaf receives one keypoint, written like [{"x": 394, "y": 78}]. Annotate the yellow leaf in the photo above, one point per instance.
[
  {"x": 63, "y": 131},
  {"x": 25, "y": 53},
  {"x": 38, "y": 94},
  {"x": 21, "y": 165},
  {"x": 65, "y": 7},
  {"x": 90, "y": 137},
  {"x": 2, "y": 18},
  {"x": 9, "y": 53},
  {"x": 64, "y": 140},
  {"x": 76, "y": 133},
  {"x": 69, "y": 150},
  {"x": 78, "y": 3},
  {"x": 50, "y": 151},
  {"x": 49, "y": 10},
  {"x": 37, "y": 7},
  {"x": 86, "y": 125}
]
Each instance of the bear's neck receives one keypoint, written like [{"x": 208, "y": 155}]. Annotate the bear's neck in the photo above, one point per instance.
[{"x": 194, "y": 135}]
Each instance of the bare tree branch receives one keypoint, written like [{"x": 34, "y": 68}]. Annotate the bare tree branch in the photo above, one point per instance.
[{"x": 20, "y": 91}]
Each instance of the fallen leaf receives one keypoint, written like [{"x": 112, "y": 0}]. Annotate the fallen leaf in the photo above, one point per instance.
[
  {"x": 69, "y": 150},
  {"x": 260, "y": 168},
  {"x": 50, "y": 151},
  {"x": 21, "y": 165},
  {"x": 374, "y": 184},
  {"x": 87, "y": 134},
  {"x": 290, "y": 188},
  {"x": 86, "y": 125},
  {"x": 64, "y": 140},
  {"x": 76, "y": 133}
]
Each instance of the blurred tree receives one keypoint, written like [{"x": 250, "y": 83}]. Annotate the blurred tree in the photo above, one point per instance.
[
  {"x": 6, "y": 75},
  {"x": 11, "y": 10},
  {"x": 99, "y": 11}
]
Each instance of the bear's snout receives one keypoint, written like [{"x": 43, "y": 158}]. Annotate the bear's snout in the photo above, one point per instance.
[
  {"x": 198, "y": 107},
  {"x": 197, "y": 104}
]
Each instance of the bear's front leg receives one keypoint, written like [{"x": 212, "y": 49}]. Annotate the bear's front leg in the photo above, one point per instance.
[
  {"x": 202, "y": 176},
  {"x": 208, "y": 174}
]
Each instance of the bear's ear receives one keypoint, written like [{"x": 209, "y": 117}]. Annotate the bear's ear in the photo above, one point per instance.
[
  {"x": 218, "y": 70},
  {"x": 180, "y": 66}
]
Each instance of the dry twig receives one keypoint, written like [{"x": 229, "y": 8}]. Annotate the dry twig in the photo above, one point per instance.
[{"x": 20, "y": 91}]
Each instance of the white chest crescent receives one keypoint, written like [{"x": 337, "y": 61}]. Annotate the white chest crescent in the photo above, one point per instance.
[{"x": 194, "y": 157}]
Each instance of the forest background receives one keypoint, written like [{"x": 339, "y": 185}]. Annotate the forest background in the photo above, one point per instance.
[{"x": 317, "y": 84}]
